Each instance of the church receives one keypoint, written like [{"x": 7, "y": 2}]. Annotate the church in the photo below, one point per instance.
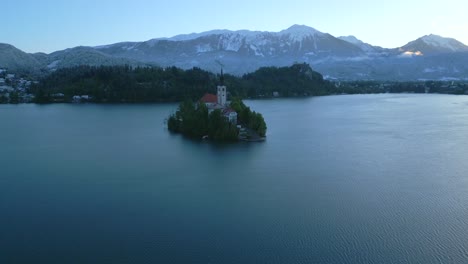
[{"x": 219, "y": 101}]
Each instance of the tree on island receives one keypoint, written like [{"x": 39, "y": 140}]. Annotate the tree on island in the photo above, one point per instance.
[
  {"x": 249, "y": 118},
  {"x": 195, "y": 121}
]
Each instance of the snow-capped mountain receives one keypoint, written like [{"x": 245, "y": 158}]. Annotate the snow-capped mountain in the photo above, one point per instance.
[
  {"x": 296, "y": 40},
  {"x": 243, "y": 51},
  {"x": 434, "y": 44}
]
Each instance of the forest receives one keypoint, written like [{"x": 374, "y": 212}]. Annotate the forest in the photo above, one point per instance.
[{"x": 125, "y": 84}]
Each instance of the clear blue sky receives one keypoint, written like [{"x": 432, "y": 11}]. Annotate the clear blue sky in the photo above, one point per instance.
[{"x": 50, "y": 25}]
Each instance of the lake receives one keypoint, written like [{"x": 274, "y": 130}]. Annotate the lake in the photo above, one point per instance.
[{"x": 340, "y": 179}]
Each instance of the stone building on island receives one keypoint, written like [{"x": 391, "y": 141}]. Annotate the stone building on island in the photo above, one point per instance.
[{"x": 219, "y": 101}]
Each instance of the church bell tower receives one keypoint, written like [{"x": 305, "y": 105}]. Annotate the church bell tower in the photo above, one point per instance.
[{"x": 222, "y": 91}]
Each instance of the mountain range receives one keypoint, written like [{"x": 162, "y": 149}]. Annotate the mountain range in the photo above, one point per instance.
[{"x": 430, "y": 57}]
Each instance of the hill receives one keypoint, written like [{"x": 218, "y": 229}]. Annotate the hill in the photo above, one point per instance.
[
  {"x": 243, "y": 51},
  {"x": 155, "y": 84}
]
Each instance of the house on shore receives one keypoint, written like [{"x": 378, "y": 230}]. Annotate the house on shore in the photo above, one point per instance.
[
  {"x": 219, "y": 102},
  {"x": 81, "y": 98}
]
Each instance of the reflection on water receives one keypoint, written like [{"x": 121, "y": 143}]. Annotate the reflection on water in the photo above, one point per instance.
[{"x": 340, "y": 179}]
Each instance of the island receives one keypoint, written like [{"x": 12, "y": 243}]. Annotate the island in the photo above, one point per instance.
[{"x": 216, "y": 119}]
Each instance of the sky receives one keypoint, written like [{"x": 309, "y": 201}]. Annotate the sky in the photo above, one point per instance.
[{"x": 51, "y": 25}]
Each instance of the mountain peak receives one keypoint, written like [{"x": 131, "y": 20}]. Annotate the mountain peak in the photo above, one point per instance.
[
  {"x": 300, "y": 29},
  {"x": 443, "y": 43},
  {"x": 299, "y": 32},
  {"x": 435, "y": 43},
  {"x": 432, "y": 38}
]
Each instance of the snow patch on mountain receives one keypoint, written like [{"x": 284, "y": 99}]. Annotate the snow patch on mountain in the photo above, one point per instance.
[
  {"x": 191, "y": 36},
  {"x": 438, "y": 41},
  {"x": 128, "y": 47},
  {"x": 256, "y": 50},
  {"x": 202, "y": 48},
  {"x": 53, "y": 64},
  {"x": 231, "y": 42},
  {"x": 298, "y": 33},
  {"x": 351, "y": 39}
]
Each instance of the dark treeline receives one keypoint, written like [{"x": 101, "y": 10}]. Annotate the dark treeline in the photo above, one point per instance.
[
  {"x": 154, "y": 84},
  {"x": 370, "y": 87},
  {"x": 125, "y": 84}
]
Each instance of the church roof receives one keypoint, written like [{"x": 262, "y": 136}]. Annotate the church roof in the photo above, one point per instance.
[
  {"x": 228, "y": 110},
  {"x": 209, "y": 98}
]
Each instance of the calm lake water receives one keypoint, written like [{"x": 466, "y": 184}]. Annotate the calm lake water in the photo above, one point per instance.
[{"x": 340, "y": 179}]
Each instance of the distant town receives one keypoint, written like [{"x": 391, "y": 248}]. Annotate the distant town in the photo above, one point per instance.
[{"x": 15, "y": 89}]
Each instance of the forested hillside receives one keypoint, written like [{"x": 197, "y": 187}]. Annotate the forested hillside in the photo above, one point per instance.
[{"x": 155, "y": 84}]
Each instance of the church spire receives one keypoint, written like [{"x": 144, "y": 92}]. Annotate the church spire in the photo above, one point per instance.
[{"x": 221, "y": 79}]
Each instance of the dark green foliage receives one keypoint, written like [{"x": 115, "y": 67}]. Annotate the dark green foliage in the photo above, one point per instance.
[
  {"x": 257, "y": 124},
  {"x": 126, "y": 84},
  {"x": 296, "y": 80},
  {"x": 154, "y": 84},
  {"x": 220, "y": 129},
  {"x": 14, "y": 97},
  {"x": 41, "y": 97},
  {"x": 173, "y": 124},
  {"x": 248, "y": 118},
  {"x": 194, "y": 121},
  {"x": 3, "y": 99}
]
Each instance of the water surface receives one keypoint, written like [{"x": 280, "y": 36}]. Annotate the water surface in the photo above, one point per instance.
[{"x": 340, "y": 179}]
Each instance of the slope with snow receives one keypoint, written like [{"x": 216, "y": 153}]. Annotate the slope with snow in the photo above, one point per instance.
[
  {"x": 245, "y": 51},
  {"x": 434, "y": 44},
  {"x": 444, "y": 43}
]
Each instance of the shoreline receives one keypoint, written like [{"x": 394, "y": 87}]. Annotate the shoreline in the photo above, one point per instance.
[{"x": 255, "y": 98}]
